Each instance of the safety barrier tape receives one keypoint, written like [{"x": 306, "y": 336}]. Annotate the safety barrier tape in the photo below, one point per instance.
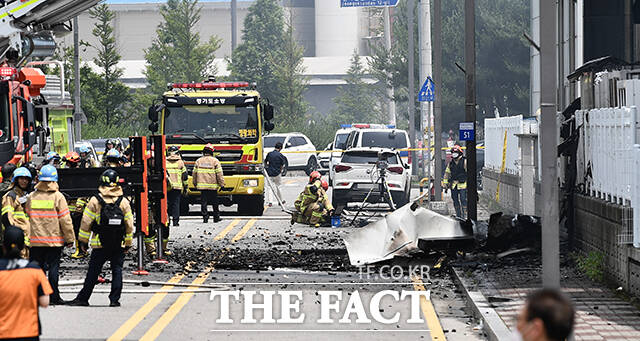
[{"x": 342, "y": 151}]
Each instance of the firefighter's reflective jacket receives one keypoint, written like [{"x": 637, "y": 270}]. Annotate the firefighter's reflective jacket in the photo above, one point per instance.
[
  {"x": 91, "y": 215},
  {"x": 207, "y": 173},
  {"x": 455, "y": 176},
  {"x": 177, "y": 172},
  {"x": 49, "y": 216},
  {"x": 311, "y": 208},
  {"x": 13, "y": 206}
]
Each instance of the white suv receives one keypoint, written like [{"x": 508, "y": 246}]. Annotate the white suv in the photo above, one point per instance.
[
  {"x": 382, "y": 138},
  {"x": 359, "y": 172},
  {"x": 303, "y": 152}
]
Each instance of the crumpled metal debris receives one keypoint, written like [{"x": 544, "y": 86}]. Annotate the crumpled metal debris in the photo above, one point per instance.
[{"x": 398, "y": 234}]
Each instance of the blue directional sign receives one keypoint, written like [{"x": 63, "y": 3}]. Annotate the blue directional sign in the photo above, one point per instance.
[
  {"x": 467, "y": 131},
  {"x": 368, "y": 3},
  {"x": 428, "y": 91}
]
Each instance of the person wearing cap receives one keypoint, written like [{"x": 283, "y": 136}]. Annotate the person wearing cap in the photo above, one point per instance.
[
  {"x": 13, "y": 205},
  {"x": 23, "y": 287},
  {"x": 275, "y": 162},
  {"x": 51, "y": 226},
  {"x": 178, "y": 184},
  {"x": 208, "y": 179},
  {"x": 110, "y": 193},
  {"x": 455, "y": 178}
]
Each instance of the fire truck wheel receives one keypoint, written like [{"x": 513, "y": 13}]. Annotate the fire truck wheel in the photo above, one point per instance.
[{"x": 251, "y": 205}]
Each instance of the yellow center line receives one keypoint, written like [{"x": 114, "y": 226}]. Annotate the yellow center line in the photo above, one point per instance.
[
  {"x": 168, "y": 316},
  {"x": 244, "y": 230},
  {"x": 175, "y": 308},
  {"x": 227, "y": 229},
  {"x": 289, "y": 182},
  {"x": 139, "y": 315},
  {"x": 435, "y": 329}
]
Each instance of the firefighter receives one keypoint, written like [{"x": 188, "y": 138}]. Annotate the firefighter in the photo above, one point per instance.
[
  {"x": 13, "y": 204},
  {"x": 51, "y": 226},
  {"x": 86, "y": 161},
  {"x": 112, "y": 159},
  {"x": 312, "y": 205},
  {"x": 178, "y": 177},
  {"x": 208, "y": 179},
  {"x": 111, "y": 238},
  {"x": 455, "y": 178},
  {"x": 76, "y": 206},
  {"x": 7, "y": 176},
  {"x": 53, "y": 159}
]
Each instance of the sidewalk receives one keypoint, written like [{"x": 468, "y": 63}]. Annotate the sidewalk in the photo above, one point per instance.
[{"x": 601, "y": 313}]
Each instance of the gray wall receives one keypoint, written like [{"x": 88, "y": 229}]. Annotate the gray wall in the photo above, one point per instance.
[{"x": 598, "y": 224}]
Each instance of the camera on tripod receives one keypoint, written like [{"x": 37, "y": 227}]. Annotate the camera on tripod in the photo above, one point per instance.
[{"x": 382, "y": 163}]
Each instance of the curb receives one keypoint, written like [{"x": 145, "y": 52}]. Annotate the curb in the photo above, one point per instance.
[{"x": 493, "y": 324}]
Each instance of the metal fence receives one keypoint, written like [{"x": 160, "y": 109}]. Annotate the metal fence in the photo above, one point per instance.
[
  {"x": 494, "y": 131},
  {"x": 609, "y": 162}
]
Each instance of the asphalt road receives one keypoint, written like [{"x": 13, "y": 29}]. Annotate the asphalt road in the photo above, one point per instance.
[{"x": 252, "y": 257}]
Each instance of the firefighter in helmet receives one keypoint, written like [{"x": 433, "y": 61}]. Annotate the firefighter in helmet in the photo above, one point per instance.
[
  {"x": 312, "y": 205},
  {"x": 455, "y": 179},
  {"x": 208, "y": 179}
]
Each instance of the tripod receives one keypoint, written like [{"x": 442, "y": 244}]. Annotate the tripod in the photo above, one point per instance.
[{"x": 383, "y": 187}]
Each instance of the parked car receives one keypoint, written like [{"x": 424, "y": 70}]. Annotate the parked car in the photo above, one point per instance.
[
  {"x": 339, "y": 143},
  {"x": 358, "y": 173},
  {"x": 324, "y": 159},
  {"x": 302, "y": 154},
  {"x": 391, "y": 138}
]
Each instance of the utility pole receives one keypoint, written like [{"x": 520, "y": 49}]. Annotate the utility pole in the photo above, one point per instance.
[
  {"x": 437, "y": 104},
  {"x": 548, "y": 146},
  {"x": 426, "y": 69},
  {"x": 470, "y": 105},
  {"x": 78, "y": 115},
  {"x": 411, "y": 86},
  {"x": 234, "y": 24},
  {"x": 387, "y": 45}
]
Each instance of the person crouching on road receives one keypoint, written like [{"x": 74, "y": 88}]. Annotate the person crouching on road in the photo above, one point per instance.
[
  {"x": 13, "y": 205},
  {"x": 455, "y": 178},
  {"x": 23, "y": 287},
  {"x": 51, "y": 226},
  {"x": 108, "y": 215},
  {"x": 208, "y": 179},
  {"x": 312, "y": 205},
  {"x": 178, "y": 184}
]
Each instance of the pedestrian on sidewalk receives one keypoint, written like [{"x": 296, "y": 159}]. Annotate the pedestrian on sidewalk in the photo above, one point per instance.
[
  {"x": 108, "y": 215},
  {"x": 455, "y": 178},
  {"x": 51, "y": 226},
  {"x": 547, "y": 315},
  {"x": 23, "y": 287},
  {"x": 208, "y": 179},
  {"x": 275, "y": 162}
]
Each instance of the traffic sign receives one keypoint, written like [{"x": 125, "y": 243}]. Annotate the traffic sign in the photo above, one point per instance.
[
  {"x": 467, "y": 131},
  {"x": 368, "y": 3},
  {"x": 428, "y": 91}
]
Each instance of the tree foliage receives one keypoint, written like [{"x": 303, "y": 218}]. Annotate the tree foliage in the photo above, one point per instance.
[
  {"x": 502, "y": 59},
  {"x": 111, "y": 94},
  {"x": 176, "y": 54},
  {"x": 256, "y": 59},
  {"x": 356, "y": 101}
]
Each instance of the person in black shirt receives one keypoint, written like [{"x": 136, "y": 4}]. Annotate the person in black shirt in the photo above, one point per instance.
[{"x": 275, "y": 163}]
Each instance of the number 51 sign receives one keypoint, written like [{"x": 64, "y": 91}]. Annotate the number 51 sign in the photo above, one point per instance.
[{"x": 467, "y": 131}]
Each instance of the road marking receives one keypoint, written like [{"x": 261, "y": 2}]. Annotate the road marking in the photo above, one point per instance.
[
  {"x": 227, "y": 229},
  {"x": 435, "y": 329},
  {"x": 139, "y": 315},
  {"x": 175, "y": 308},
  {"x": 244, "y": 230},
  {"x": 289, "y": 182}
]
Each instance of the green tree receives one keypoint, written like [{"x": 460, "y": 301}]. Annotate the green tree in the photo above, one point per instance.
[
  {"x": 176, "y": 54},
  {"x": 356, "y": 101},
  {"x": 112, "y": 94},
  {"x": 264, "y": 39},
  {"x": 291, "y": 84},
  {"x": 502, "y": 59}
]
